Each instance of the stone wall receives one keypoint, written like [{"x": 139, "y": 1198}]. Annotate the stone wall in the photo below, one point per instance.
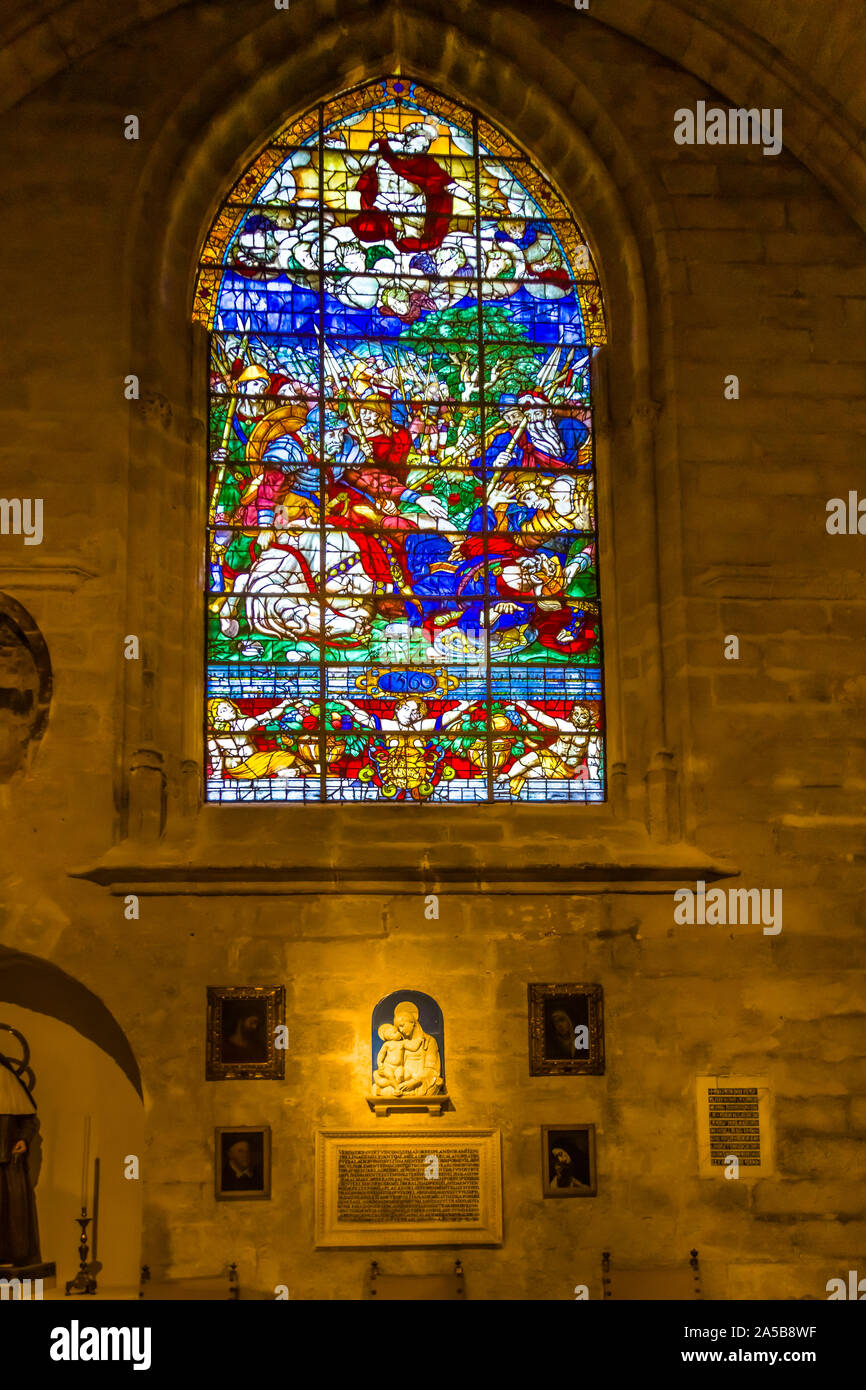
[{"x": 715, "y": 260}]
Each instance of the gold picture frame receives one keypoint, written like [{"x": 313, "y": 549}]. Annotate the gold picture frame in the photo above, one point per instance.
[
  {"x": 241, "y": 1042},
  {"x": 566, "y": 1030},
  {"x": 242, "y": 1163}
]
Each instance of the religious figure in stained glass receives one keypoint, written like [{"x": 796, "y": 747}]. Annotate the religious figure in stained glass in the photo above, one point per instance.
[{"x": 403, "y": 587}]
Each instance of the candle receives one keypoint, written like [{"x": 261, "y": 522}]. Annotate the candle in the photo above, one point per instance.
[
  {"x": 85, "y": 1163},
  {"x": 94, "y": 1230}
]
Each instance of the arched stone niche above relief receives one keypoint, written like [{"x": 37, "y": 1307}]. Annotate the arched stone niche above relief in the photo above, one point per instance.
[
  {"x": 407, "y": 1050},
  {"x": 25, "y": 687}
]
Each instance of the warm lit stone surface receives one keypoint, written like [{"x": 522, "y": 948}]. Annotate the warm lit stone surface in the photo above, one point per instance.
[{"x": 715, "y": 260}]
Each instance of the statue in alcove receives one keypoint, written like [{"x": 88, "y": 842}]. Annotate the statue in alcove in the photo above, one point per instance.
[
  {"x": 19, "y": 1230},
  {"x": 407, "y": 1058}
]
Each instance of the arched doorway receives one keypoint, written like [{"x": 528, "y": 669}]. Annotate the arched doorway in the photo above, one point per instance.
[{"x": 88, "y": 1099}]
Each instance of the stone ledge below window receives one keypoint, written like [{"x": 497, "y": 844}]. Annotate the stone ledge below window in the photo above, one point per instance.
[{"x": 625, "y": 860}]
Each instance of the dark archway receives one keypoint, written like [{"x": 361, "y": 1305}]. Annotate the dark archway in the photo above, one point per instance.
[{"x": 38, "y": 985}]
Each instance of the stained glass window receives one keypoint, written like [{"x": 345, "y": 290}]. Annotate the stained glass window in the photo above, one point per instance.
[{"x": 402, "y": 599}]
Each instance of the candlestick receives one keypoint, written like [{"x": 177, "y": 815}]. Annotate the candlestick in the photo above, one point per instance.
[{"x": 84, "y": 1281}]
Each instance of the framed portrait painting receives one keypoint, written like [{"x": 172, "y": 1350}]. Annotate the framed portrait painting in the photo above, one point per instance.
[
  {"x": 242, "y": 1163},
  {"x": 242, "y": 1023},
  {"x": 566, "y": 1030},
  {"x": 568, "y": 1161}
]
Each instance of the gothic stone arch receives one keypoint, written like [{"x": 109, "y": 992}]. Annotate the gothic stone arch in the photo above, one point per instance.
[{"x": 204, "y": 145}]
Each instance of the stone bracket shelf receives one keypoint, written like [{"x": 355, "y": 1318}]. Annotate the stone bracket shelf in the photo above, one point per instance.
[{"x": 402, "y": 1105}]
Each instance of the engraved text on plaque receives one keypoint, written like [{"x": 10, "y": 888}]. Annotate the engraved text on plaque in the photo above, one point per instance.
[{"x": 383, "y": 1185}]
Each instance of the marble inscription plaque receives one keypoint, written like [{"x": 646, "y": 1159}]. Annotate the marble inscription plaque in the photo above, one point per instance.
[
  {"x": 734, "y": 1123},
  {"x": 409, "y": 1187}
]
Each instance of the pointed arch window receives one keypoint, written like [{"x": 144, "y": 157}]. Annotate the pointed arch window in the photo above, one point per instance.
[{"x": 402, "y": 600}]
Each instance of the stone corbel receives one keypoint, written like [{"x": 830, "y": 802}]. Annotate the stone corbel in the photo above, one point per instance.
[
  {"x": 618, "y": 791},
  {"x": 190, "y": 789},
  {"x": 663, "y": 806},
  {"x": 147, "y": 795},
  {"x": 156, "y": 409},
  {"x": 647, "y": 413}
]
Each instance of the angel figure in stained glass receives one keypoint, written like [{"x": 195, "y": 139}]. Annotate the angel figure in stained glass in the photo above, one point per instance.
[
  {"x": 562, "y": 752},
  {"x": 232, "y": 753},
  {"x": 410, "y": 713}
]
